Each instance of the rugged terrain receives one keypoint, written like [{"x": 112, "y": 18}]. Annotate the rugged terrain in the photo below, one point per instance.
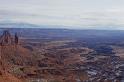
[{"x": 61, "y": 55}]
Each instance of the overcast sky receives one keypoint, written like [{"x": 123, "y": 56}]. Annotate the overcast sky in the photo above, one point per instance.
[{"x": 75, "y": 13}]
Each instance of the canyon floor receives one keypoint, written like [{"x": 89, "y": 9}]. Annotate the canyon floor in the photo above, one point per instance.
[{"x": 41, "y": 58}]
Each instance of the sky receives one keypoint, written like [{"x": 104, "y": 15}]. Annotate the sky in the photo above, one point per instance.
[{"x": 78, "y": 14}]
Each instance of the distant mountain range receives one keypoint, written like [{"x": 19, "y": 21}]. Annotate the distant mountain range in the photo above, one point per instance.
[
  {"x": 35, "y": 31},
  {"x": 17, "y": 25},
  {"x": 28, "y": 25}
]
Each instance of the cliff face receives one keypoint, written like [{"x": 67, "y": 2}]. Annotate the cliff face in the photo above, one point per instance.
[
  {"x": 7, "y": 39},
  {"x": 7, "y": 46},
  {"x": 11, "y": 53},
  {"x": 7, "y": 52}
]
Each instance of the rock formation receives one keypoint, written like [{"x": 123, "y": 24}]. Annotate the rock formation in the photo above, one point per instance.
[
  {"x": 16, "y": 38},
  {"x": 6, "y": 48},
  {"x": 11, "y": 54},
  {"x": 7, "y": 39}
]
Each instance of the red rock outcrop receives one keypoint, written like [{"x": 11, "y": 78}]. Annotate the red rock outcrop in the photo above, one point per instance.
[
  {"x": 11, "y": 53},
  {"x": 7, "y": 39}
]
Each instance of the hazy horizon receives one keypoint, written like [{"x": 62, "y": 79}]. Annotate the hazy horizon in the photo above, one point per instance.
[{"x": 73, "y": 14}]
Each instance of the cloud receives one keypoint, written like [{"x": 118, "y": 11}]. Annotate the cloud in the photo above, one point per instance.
[{"x": 75, "y": 13}]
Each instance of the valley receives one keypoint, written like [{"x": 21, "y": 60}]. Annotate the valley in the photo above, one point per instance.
[{"x": 60, "y": 55}]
